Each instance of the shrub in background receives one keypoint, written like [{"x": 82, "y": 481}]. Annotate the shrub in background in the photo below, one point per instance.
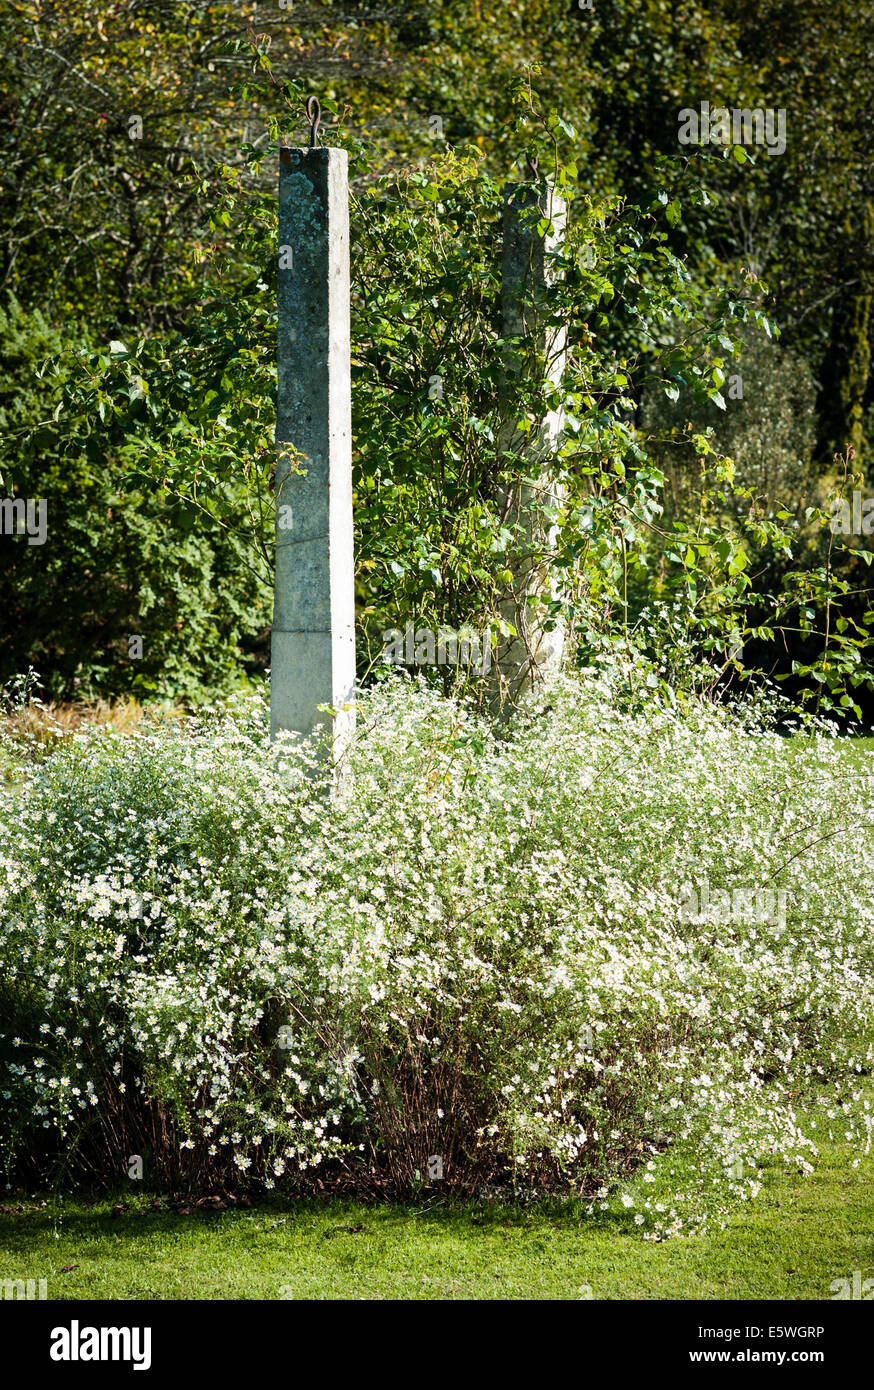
[{"x": 122, "y": 557}]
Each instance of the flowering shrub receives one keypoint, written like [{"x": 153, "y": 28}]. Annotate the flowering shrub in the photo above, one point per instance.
[{"x": 479, "y": 954}]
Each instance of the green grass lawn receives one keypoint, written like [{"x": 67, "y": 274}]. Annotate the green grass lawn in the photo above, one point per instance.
[{"x": 790, "y": 1243}]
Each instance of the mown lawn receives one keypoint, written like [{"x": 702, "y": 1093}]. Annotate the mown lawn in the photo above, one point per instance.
[{"x": 790, "y": 1243}]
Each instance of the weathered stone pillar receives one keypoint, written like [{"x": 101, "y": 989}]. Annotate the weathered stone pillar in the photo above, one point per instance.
[
  {"x": 313, "y": 642},
  {"x": 527, "y": 271}
]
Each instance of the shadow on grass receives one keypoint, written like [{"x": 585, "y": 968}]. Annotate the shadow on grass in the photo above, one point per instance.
[{"x": 100, "y": 1218}]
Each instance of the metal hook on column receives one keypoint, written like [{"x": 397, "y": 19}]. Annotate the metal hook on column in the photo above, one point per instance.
[{"x": 314, "y": 116}]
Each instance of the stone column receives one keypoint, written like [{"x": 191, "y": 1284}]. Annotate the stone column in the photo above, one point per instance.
[
  {"x": 313, "y": 642},
  {"x": 527, "y": 270}
]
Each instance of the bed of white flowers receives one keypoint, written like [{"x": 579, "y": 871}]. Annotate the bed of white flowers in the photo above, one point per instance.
[{"x": 483, "y": 954}]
